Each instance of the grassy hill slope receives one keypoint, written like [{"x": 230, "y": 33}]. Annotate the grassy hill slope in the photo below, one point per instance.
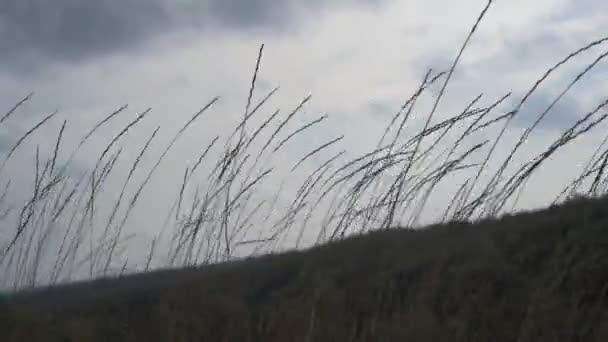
[{"x": 537, "y": 276}]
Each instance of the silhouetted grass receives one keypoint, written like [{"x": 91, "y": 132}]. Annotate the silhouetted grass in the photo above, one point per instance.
[
  {"x": 535, "y": 276},
  {"x": 217, "y": 210}
]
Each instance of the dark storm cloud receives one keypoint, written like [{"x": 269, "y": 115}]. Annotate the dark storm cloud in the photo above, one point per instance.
[{"x": 75, "y": 30}]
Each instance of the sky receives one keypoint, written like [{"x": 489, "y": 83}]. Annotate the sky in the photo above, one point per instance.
[{"x": 359, "y": 59}]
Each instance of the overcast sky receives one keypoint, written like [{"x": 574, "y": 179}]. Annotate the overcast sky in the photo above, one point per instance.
[{"x": 360, "y": 59}]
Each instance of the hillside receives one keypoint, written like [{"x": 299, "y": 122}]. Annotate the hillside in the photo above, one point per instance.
[{"x": 535, "y": 276}]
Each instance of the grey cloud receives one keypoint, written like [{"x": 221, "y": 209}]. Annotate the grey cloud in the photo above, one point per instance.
[
  {"x": 561, "y": 117},
  {"x": 248, "y": 13},
  {"x": 580, "y": 8},
  {"x": 381, "y": 109},
  {"x": 77, "y": 30}
]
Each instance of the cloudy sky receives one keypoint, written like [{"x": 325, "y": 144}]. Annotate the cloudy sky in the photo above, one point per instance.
[{"x": 360, "y": 59}]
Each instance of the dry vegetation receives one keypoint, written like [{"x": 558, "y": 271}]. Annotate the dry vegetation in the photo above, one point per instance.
[
  {"x": 537, "y": 276},
  {"x": 534, "y": 277}
]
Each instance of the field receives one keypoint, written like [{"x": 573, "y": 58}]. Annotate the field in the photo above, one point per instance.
[
  {"x": 537, "y": 276},
  {"x": 341, "y": 257}
]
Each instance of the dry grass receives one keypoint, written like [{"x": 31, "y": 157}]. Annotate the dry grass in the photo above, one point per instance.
[
  {"x": 388, "y": 186},
  {"x": 536, "y": 276}
]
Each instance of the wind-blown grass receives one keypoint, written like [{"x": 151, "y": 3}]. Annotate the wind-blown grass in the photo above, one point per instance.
[
  {"x": 216, "y": 214},
  {"x": 534, "y": 276}
]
